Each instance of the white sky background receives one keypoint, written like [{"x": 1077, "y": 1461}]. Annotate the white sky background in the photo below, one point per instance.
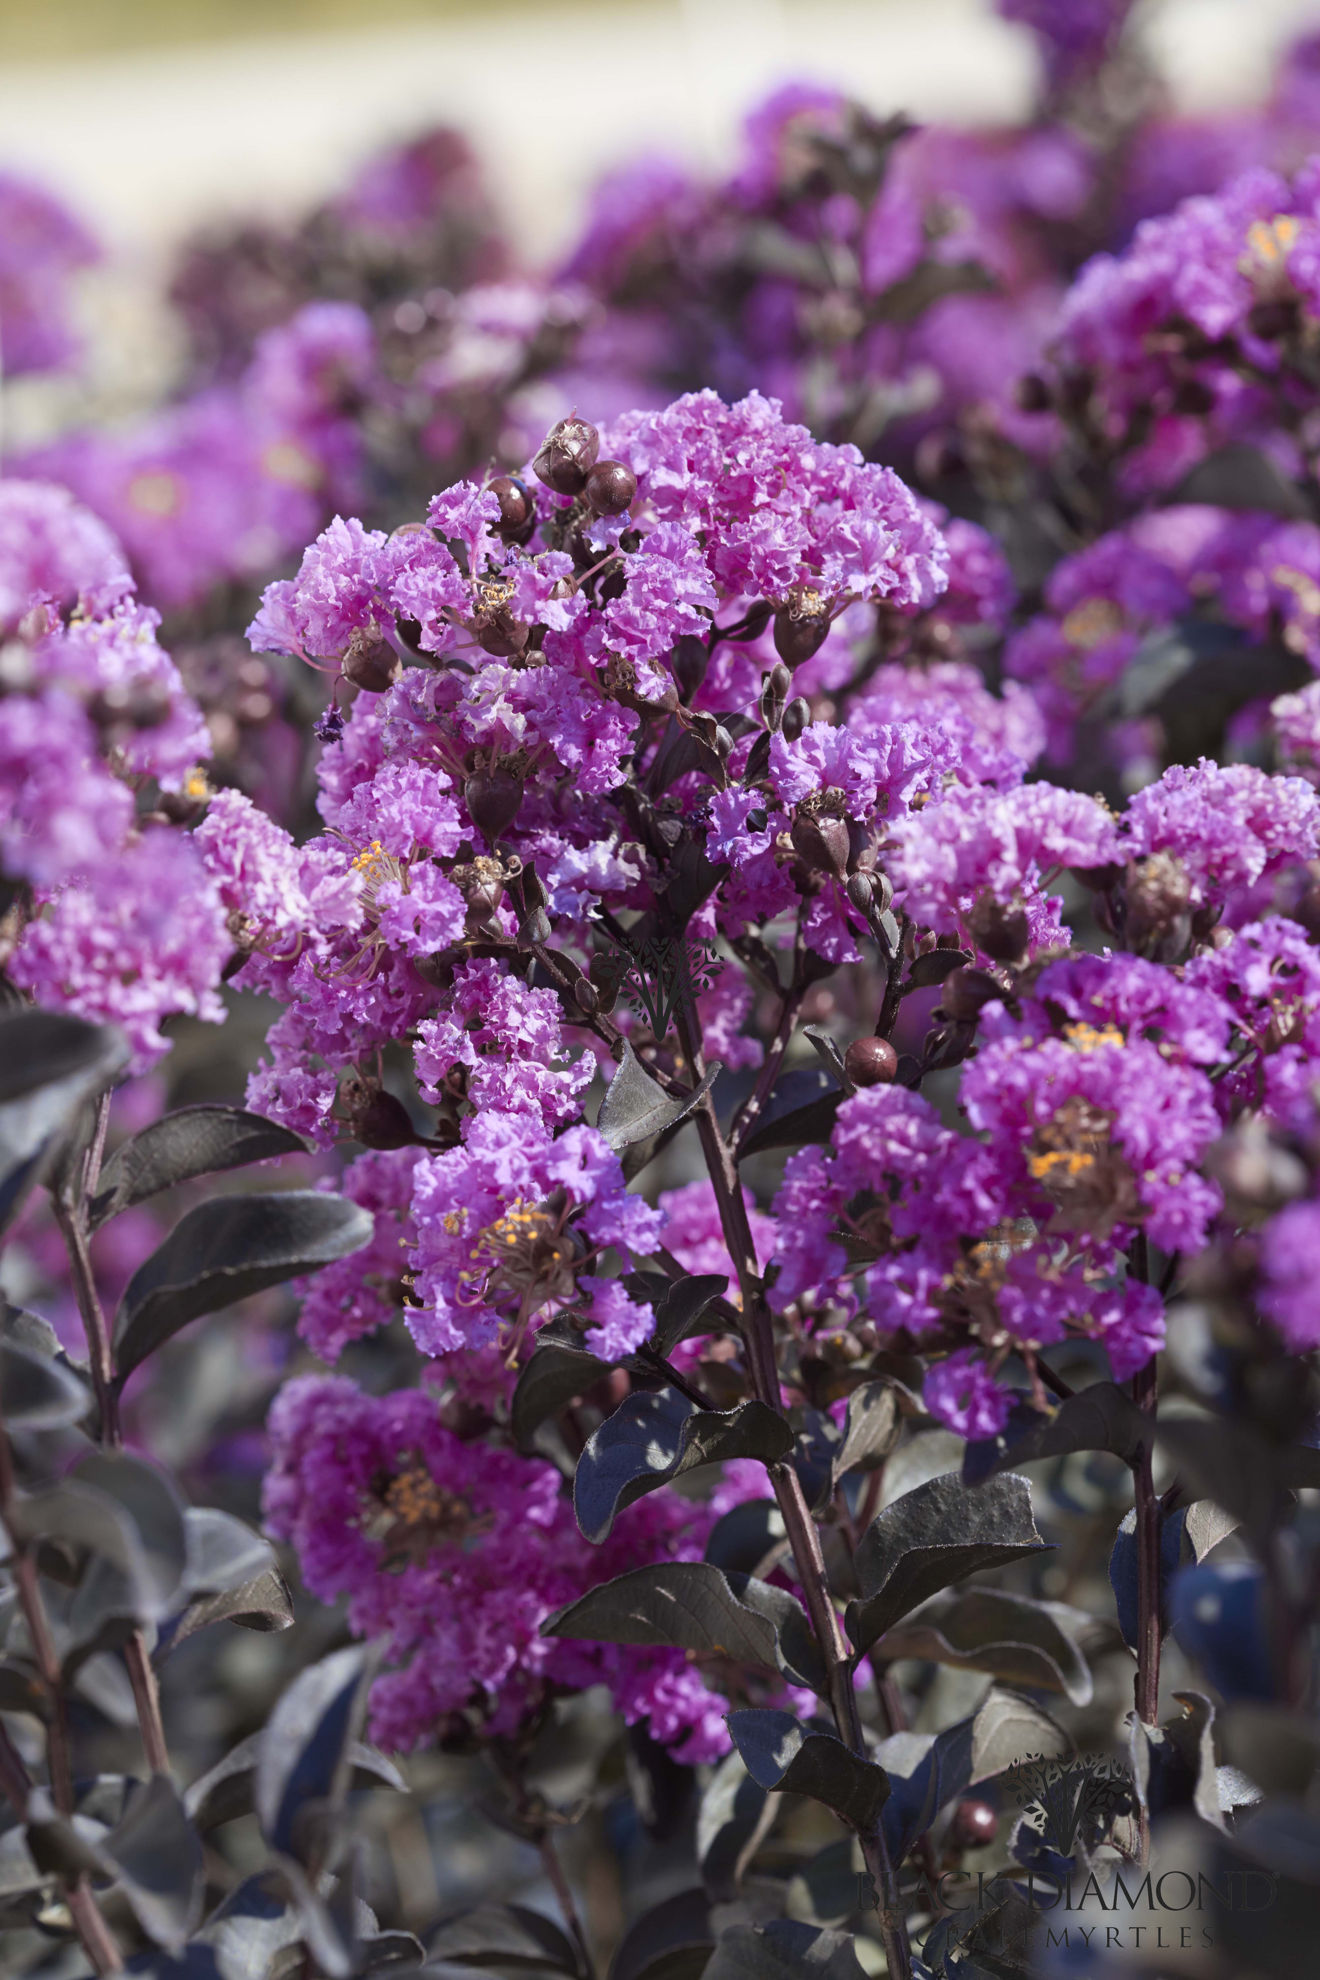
[{"x": 147, "y": 143}]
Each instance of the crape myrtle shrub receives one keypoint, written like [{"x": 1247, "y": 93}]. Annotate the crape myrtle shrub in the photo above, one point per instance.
[{"x": 787, "y": 962}]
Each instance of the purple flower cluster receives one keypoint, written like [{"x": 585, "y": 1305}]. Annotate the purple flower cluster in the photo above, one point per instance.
[
  {"x": 224, "y": 486},
  {"x": 115, "y": 918},
  {"x": 837, "y": 818},
  {"x": 42, "y": 248},
  {"x": 453, "y": 1554}
]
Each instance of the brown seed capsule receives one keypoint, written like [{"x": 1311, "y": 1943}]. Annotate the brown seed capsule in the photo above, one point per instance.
[
  {"x": 801, "y": 624},
  {"x": 370, "y": 662},
  {"x": 493, "y": 799},
  {"x": 1032, "y": 393},
  {"x": 975, "y": 1824},
  {"x": 567, "y": 455},
  {"x": 517, "y": 509},
  {"x": 610, "y": 488},
  {"x": 822, "y": 843},
  {"x": 871, "y": 1062},
  {"x": 1000, "y": 932},
  {"x": 384, "y": 1123},
  {"x": 499, "y": 633}
]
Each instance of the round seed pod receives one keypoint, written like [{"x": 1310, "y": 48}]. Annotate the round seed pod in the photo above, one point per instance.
[
  {"x": 801, "y": 623},
  {"x": 370, "y": 663},
  {"x": 611, "y": 487},
  {"x": 974, "y": 1824},
  {"x": 871, "y": 1062},
  {"x": 517, "y": 509},
  {"x": 567, "y": 455},
  {"x": 493, "y": 799}
]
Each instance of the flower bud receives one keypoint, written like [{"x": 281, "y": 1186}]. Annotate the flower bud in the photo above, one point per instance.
[
  {"x": 493, "y": 799},
  {"x": 370, "y": 662},
  {"x": 975, "y": 1824},
  {"x": 1000, "y": 932},
  {"x": 689, "y": 661},
  {"x": 966, "y": 993},
  {"x": 375, "y": 1117},
  {"x": 1032, "y": 393},
  {"x": 567, "y": 455},
  {"x": 384, "y": 1123},
  {"x": 610, "y": 488},
  {"x": 773, "y": 695},
  {"x": 795, "y": 718},
  {"x": 1158, "y": 904},
  {"x": 801, "y": 624},
  {"x": 871, "y": 1062},
  {"x": 517, "y": 509}
]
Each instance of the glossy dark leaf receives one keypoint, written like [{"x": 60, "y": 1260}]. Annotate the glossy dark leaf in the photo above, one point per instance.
[
  {"x": 1098, "y": 1418},
  {"x": 158, "y": 1855},
  {"x": 781, "y": 1754},
  {"x": 1008, "y": 1728},
  {"x": 195, "y": 1141},
  {"x": 929, "y": 970},
  {"x": 1232, "y": 1465},
  {"x": 636, "y": 1106},
  {"x": 680, "y": 1309},
  {"x": 148, "y": 1587},
  {"x": 1220, "y": 1619},
  {"x": 671, "y": 1942},
  {"x": 251, "y": 1926},
  {"x": 928, "y": 1771},
  {"x": 36, "y": 1392},
  {"x": 932, "y": 1537},
  {"x": 30, "y": 1331},
  {"x": 831, "y": 1886},
  {"x": 745, "y": 1535},
  {"x": 304, "y": 1755},
  {"x": 870, "y": 1429},
  {"x": 827, "y": 1051},
  {"x": 796, "y": 1649},
  {"x": 554, "y": 1376},
  {"x": 50, "y": 1064},
  {"x": 221, "y": 1551},
  {"x": 794, "y": 1127},
  {"x": 784, "y": 1950},
  {"x": 226, "y": 1790},
  {"x": 194, "y": 1962},
  {"x": 60, "y": 1847},
  {"x": 1013, "y": 1638},
  {"x": 815, "y": 1448},
  {"x": 76, "y": 1516},
  {"x": 20, "y": 1691},
  {"x": 150, "y": 1500},
  {"x": 1173, "y": 1765},
  {"x": 683, "y": 1605},
  {"x": 734, "y": 1815},
  {"x": 508, "y": 1937},
  {"x": 653, "y": 1439},
  {"x": 264, "y": 1603},
  {"x": 225, "y": 1249}
]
